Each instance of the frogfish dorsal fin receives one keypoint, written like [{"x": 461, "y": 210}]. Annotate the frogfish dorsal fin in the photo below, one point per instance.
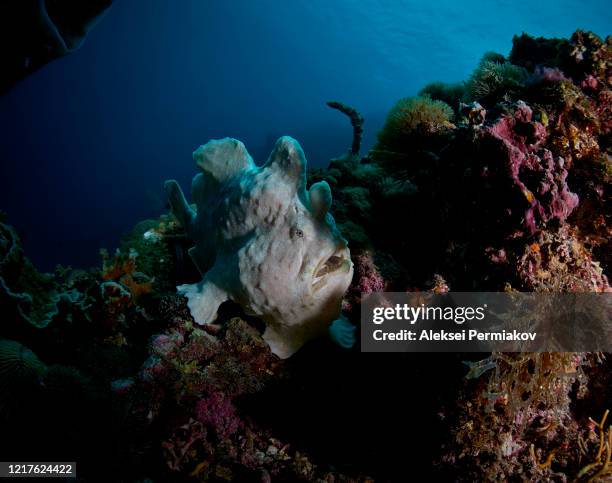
[
  {"x": 288, "y": 159},
  {"x": 222, "y": 159},
  {"x": 288, "y": 163}
]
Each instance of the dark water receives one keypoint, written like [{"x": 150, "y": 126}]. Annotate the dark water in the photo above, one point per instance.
[{"x": 88, "y": 140}]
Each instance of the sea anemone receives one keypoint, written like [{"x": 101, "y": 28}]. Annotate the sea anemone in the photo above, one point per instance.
[
  {"x": 412, "y": 118},
  {"x": 451, "y": 94},
  {"x": 494, "y": 81}
]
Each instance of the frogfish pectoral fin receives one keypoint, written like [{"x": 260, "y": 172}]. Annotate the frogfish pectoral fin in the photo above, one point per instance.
[
  {"x": 342, "y": 332},
  {"x": 203, "y": 300}
]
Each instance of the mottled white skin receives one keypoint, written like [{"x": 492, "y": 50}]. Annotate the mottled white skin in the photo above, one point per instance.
[{"x": 264, "y": 242}]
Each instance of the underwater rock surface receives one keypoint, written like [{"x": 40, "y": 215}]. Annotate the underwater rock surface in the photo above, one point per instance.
[
  {"x": 25, "y": 294},
  {"x": 264, "y": 242}
]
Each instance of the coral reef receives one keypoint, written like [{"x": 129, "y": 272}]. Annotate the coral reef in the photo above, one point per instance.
[
  {"x": 473, "y": 113},
  {"x": 547, "y": 196},
  {"x": 514, "y": 196},
  {"x": 600, "y": 466},
  {"x": 507, "y": 191},
  {"x": 196, "y": 383},
  {"x": 558, "y": 261},
  {"x": 412, "y": 121},
  {"x": 529, "y": 430},
  {"x": 263, "y": 241},
  {"x": 24, "y": 292},
  {"x": 367, "y": 280},
  {"x": 450, "y": 94},
  {"x": 122, "y": 269},
  {"x": 495, "y": 80}
]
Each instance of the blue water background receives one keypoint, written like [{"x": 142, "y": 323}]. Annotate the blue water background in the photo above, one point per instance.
[{"x": 87, "y": 141}]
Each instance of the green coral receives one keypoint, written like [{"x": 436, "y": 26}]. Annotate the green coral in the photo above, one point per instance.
[
  {"x": 352, "y": 170},
  {"x": 450, "y": 94},
  {"x": 390, "y": 187},
  {"x": 493, "y": 57},
  {"x": 528, "y": 51},
  {"x": 357, "y": 198},
  {"x": 320, "y": 174},
  {"x": 355, "y": 235},
  {"x": 154, "y": 241},
  {"x": 366, "y": 172},
  {"x": 494, "y": 81},
  {"x": 30, "y": 295},
  {"x": 583, "y": 54},
  {"x": 412, "y": 118}
]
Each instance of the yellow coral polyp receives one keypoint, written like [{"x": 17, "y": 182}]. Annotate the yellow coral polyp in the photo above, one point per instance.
[
  {"x": 528, "y": 195},
  {"x": 412, "y": 116}
]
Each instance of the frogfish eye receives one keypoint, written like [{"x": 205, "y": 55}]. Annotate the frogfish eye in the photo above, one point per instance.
[{"x": 297, "y": 233}]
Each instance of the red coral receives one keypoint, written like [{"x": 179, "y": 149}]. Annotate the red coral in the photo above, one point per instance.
[
  {"x": 537, "y": 176},
  {"x": 548, "y": 74},
  {"x": 164, "y": 344},
  {"x": 218, "y": 413},
  {"x": 604, "y": 111},
  {"x": 119, "y": 265},
  {"x": 153, "y": 369},
  {"x": 366, "y": 280},
  {"x": 589, "y": 83}
]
